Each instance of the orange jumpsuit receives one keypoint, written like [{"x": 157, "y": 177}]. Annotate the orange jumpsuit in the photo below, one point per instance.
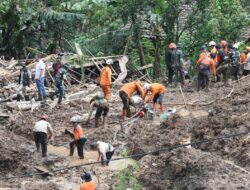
[
  {"x": 131, "y": 87},
  {"x": 211, "y": 63},
  {"x": 105, "y": 81},
  {"x": 243, "y": 57},
  {"x": 88, "y": 186},
  {"x": 155, "y": 89}
]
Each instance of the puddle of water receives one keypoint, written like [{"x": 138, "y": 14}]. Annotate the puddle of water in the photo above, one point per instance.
[{"x": 89, "y": 156}]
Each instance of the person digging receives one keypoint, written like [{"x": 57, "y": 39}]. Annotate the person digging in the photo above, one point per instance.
[
  {"x": 102, "y": 109},
  {"x": 42, "y": 132},
  {"x": 88, "y": 183},
  {"x": 105, "y": 151},
  {"x": 79, "y": 139}
]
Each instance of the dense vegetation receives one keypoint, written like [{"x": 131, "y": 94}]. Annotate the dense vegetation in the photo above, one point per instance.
[{"x": 139, "y": 28}]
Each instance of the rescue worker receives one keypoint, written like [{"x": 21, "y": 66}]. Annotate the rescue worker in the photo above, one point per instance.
[
  {"x": 102, "y": 106},
  {"x": 125, "y": 94},
  {"x": 243, "y": 57},
  {"x": 56, "y": 66},
  {"x": 212, "y": 45},
  {"x": 106, "y": 79},
  {"x": 246, "y": 70},
  {"x": 174, "y": 63},
  {"x": 234, "y": 56},
  {"x": 88, "y": 183},
  {"x": 24, "y": 81},
  {"x": 61, "y": 76},
  {"x": 105, "y": 151},
  {"x": 79, "y": 139},
  {"x": 221, "y": 52},
  {"x": 157, "y": 94},
  {"x": 42, "y": 132},
  {"x": 203, "y": 65},
  {"x": 40, "y": 78}
]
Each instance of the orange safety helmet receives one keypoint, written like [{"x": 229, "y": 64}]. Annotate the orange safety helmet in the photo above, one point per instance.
[
  {"x": 45, "y": 117},
  {"x": 172, "y": 46},
  {"x": 223, "y": 43}
]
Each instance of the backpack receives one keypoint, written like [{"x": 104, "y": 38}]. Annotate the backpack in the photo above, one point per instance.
[
  {"x": 26, "y": 78},
  {"x": 235, "y": 56}
]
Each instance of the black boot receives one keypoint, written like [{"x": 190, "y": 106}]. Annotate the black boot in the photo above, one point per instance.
[
  {"x": 59, "y": 100},
  {"x": 18, "y": 98}
]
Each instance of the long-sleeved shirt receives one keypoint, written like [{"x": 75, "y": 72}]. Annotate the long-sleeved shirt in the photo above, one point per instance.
[
  {"x": 43, "y": 126},
  {"x": 131, "y": 87},
  {"x": 155, "y": 89},
  {"x": 247, "y": 62},
  {"x": 88, "y": 186},
  {"x": 105, "y": 76},
  {"x": 243, "y": 57},
  {"x": 103, "y": 148},
  {"x": 211, "y": 63}
]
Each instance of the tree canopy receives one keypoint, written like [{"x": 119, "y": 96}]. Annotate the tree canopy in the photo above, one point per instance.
[{"x": 140, "y": 28}]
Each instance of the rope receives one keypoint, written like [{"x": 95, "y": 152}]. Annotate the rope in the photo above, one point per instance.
[{"x": 167, "y": 149}]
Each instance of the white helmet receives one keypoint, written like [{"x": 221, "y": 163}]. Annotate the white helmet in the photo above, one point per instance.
[
  {"x": 212, "y": 43},
  {"x": 73, "y": 119},
  {"x": 146, "y": 86},
  {"x": 109, "y": 62}
]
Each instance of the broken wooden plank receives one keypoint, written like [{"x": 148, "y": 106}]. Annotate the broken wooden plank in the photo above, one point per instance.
[{"x": 44, "y": 170}]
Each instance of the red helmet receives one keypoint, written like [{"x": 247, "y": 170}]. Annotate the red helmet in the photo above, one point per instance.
[
  {"x": 172, "y": 46},
  {"x": 45, "y": 117},
  {"x": 223, "y": 43}
]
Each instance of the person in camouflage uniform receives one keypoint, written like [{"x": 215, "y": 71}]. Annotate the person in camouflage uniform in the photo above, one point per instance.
[
  {"x": 174, "y": 63},
  {"x": 59, "y": 83}
]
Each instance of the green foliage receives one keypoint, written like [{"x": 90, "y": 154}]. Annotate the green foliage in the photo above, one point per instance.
[{"x": 126, "y": 179}]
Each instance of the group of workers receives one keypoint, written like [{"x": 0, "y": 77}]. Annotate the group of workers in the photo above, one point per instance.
[{"x": 223, "y": 60}]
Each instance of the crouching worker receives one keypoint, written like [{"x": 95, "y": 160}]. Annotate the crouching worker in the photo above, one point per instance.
[
  {"x": 79, "y": 139},
  {"x": 102, "y": 109},
  {"x": 125, "y": 94},
  {"x": 41, "y": 129},
  {"x": 157, "y": 94},
  {"x": 87, "y": 184},
  {"x": 105, "y": 151}
]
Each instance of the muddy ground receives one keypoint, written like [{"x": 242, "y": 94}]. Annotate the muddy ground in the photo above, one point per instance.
[{"x": 221, "y": 164}]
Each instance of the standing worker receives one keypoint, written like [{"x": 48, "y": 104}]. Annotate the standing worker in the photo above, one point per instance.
[
  {"x": 174, "y": 63},
  {"x": 102, "y": 109},
  {"x": 157, "y": 94},
  {"x": 40, "y": 77},
  {"x": 105, "y": 151},
  {"x": 59, "y": 83},
  {"x": 125, "y": 94},
  {"x": 79, "y": 139},
  {"x": 41, "y": 129},
  {"x": 106, "y": 79},
  {"x": 88, "y": 183},
  {"x": 24, "y": 80},
  {"x": 203, "y": 65},
  {"x": 246, "y": 70}
]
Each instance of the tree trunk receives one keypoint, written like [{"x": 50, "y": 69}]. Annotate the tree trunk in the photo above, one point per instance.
[
  {"x": 157, "y": 63},
  {"x": 140, "y": 50}
]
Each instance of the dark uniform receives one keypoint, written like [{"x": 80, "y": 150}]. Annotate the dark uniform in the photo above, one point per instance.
[{"x": 174, "y": 64}]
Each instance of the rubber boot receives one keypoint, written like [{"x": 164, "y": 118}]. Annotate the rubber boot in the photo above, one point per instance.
[
  {"x": 128, "y": 112},
  {"x": 18, "y": 98},
  {"x": 161, "y": 109},
  {"x": 59, "y": 100},
  {"x": 42, "y": 102},
  {"x": 26, "y": 97},
  {"x": 71, "y": 153},
  {"x": 96, "y": 122},
  {"x": 104, "y": 121}
]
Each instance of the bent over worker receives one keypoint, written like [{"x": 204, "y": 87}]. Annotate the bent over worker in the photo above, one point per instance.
[
  {"x": 79, "y": 139},
  {"x": 157, "y": 94},
  {"x": 105, "y": 151},
  {"x": 88, "y": 183},
  {"x": 106, "y": 79},
  {"x": 41, "y": 129},
  {"x": 102, "y": 106},
  {"x": 203, "y": 66},
  {"x": 125, "y": 94}
]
